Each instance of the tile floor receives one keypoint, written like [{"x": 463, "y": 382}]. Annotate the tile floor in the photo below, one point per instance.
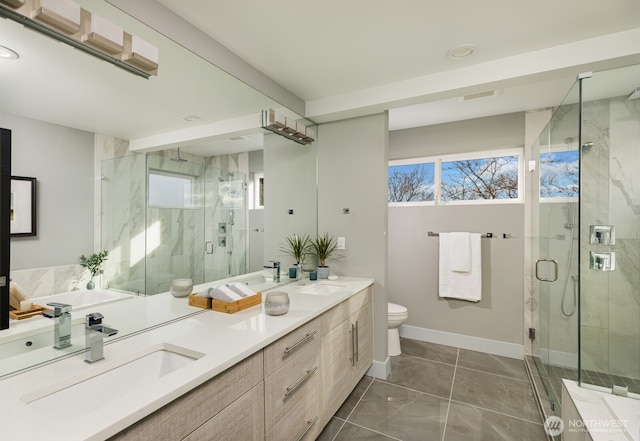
[{"x": 441, "y": 393}]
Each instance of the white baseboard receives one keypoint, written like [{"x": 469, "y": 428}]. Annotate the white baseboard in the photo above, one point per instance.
[
  {"x": 380, "y": 369},
  {"x": 558, "y": 358},
  {"x": 494, "y": 347}
]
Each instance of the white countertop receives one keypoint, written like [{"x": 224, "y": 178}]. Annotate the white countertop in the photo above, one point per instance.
[
  {"x": 224, "y": 339},
  {"x": 607, "y": 417}
]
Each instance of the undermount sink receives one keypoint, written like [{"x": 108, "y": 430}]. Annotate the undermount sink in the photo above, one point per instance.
[
  {"x": 85, "y": 393},
  {"x": 321, "y": 289}
]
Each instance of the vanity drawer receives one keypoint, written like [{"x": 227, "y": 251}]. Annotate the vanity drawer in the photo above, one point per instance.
[
  {"x": 291, "y": 345},
  {"x": 358, "y": 301},
  {"x": 293, "y": 385},
  {"x": 303, "y": 423},
  {"x": 179, "y": 418}
]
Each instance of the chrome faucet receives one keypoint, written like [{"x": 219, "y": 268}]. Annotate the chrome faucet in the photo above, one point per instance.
[
  {"x": 61, "y": 314},
  {"x": 94, "y": 333},
  {"x": 276, "y": 270}
]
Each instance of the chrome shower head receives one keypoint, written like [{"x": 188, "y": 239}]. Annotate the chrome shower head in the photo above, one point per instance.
[{"x": 178, "y": 158}]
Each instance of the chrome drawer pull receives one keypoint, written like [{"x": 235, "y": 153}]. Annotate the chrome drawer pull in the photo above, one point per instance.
[
  {"x": 353, "y": 345},
  {"x": 289, "y": 349},
  {"x": 309, "y": 426},
  {"x": 357, "y": 340},
  {"x": 292, "y": 389}
]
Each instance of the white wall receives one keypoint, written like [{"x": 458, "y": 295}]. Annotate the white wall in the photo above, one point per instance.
[
  {"x": 352, "y": 173},
  {"x": 289, "y": 183},
  {"x": 413, "y": 256},
  {"x": 61, "y": 158}
]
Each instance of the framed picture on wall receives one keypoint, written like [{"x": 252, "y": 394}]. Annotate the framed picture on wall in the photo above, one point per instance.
[{"x": 23, "y": 206}]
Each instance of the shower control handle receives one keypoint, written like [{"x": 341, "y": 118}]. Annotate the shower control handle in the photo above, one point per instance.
[{"x": 555, "y": 270}]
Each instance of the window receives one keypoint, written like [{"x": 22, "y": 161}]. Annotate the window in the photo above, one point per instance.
[
  {"x": 256, "y": 191},
  {"x": 483, "y": 177},
  {"x": 170, "y": 190},
  {"x": 412, "y": 182},
  {"x": 559, "y": 175}
]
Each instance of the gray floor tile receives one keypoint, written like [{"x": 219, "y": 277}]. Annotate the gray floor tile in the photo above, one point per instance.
[
  {"x": 351, "y": 432},
  {"x": 423, "y": 375},
  {"x": 494, "y": 364},
  {"x": 353, "y": 399},
  {"x": 466, "y": 423},
  {"x": 331, "y": 430},
  {"x": 494, "y": 392},
  {"x": 401, "y": 413},
  {"x": 429, "y": 351}
]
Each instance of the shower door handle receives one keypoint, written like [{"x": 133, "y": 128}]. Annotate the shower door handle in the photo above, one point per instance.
[{"x": 555, "y": 270}]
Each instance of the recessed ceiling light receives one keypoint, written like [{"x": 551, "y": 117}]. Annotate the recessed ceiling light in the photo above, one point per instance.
[
  {"x": 462, "y": 51},
  {"x": 8, "y": 54},
  {"x": 191, "y": 118}
]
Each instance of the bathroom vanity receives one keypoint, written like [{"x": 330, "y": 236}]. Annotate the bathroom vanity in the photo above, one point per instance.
[{"x": 209, "y": 376}]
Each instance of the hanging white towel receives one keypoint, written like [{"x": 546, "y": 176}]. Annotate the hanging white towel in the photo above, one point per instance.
[
  {"x": 459, "y": 245},
  {"x": 464, "y": 285}
]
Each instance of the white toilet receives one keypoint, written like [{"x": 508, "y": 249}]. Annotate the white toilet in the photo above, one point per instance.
[{"x": 396, "y": 315}]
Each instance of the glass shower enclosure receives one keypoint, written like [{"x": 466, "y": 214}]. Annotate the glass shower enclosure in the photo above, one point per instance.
[
  {"x": 165, "y": 217},
  {"x": 585, "y": 240}
]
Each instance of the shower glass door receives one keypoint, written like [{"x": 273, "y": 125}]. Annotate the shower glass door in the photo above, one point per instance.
[{"x": 555, "y": 248}]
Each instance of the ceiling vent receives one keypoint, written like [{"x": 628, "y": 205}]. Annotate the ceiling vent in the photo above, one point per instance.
[{"x": 488, "y": 93}]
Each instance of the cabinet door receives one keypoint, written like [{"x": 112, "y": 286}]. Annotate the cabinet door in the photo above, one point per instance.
[
  {"x": 242, "y": 420},
  {"x": 336, "y": 368},
  {"x": 362, "y": 325}
]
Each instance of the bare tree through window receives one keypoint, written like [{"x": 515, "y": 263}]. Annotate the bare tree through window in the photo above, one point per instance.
[
  {"x": 559, "y": 174},
  {"x": 473, "y": 179},
  {"x": 411, "y": 183}
]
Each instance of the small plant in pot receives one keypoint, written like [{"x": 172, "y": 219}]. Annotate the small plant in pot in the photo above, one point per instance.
[
  {"x": 94, "y": 264},
  {"x": 298, "y": 246},
  {"x": 325, "y": 248}
]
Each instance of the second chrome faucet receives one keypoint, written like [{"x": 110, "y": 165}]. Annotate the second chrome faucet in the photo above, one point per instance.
[{"x": 94, "y": 333}]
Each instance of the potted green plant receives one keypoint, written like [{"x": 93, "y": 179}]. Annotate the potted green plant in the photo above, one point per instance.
[
  {"x": 299, "y": 247},
  {"x": 94, "y": 264},
  {"x": 325, "y": 248}
]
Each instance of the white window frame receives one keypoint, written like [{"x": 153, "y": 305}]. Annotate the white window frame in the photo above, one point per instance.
[{"x": 437, "y": 174}]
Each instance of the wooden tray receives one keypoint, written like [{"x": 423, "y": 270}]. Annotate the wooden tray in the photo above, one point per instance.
[
  {"x": 35, "y": 310},
  {"x": 238, "y": 305},
  {"x": 199, "y": 302}
]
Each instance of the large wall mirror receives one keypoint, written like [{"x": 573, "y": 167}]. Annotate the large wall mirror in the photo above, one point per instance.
[{"x": 108, "y": 150}]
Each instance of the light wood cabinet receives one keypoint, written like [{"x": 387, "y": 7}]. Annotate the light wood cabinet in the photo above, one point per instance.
[
  {"x": 347, "y": 350},
  {"x": 241, "y": 420},
  {"x": 178, "y": 419},
  {"x": 286, "y": 392},
  {"x": 291, "y": 405}
]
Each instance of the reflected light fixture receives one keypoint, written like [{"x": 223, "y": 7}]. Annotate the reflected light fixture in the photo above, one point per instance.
[
  {"x": 8, "y": 54},
  {"x": 287, "y": 127}
]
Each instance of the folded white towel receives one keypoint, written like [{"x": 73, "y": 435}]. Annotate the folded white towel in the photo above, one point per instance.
[
  {"x": 460, "y": 285},
  {"x": 459, "y": 245},
  {"x": 225, "y": 294},
  {"x": 242, "y": 289},
  {"x": 205, "y": 292}
]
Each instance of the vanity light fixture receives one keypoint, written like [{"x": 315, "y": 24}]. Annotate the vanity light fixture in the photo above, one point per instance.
[
  {"x": 287, "y": 127},
  {"x": 8, "y": 54},
  {"x": 67, "y": 22}
]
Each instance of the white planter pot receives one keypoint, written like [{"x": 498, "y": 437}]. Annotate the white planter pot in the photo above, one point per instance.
[{"x": 323, "y": 272}]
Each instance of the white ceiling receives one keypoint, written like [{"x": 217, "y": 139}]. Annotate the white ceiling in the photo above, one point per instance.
[
  {"x": 355, "y": 57},
  {"x": 343, "y": 59}
]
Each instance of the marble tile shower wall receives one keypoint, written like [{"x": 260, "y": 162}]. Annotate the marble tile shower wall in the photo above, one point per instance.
[
  {"x": 149, "y": 249},
  {"x": 611, "y": 196}
]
